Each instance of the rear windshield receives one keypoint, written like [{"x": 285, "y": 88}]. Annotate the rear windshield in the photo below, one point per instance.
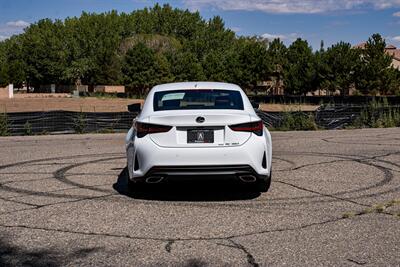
[{"x": 197, "y": 99}]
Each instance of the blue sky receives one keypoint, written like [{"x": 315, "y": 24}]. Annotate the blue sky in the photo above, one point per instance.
[{"x": 315, "y": 20}]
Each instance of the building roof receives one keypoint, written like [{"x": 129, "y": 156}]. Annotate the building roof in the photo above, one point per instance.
[
  {"x": 389, "y": 49},
  {"x": 394, "y": 52},
  {"x": 360, "y": 45}
]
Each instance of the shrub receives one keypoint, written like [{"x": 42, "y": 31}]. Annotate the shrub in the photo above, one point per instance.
[
  {"x": 378, "y": 115},
  {"x": 28, "y": 128},
  {"x": 80, "y": 123},
  {"x": 4, "y": 125},
  {"x": 297, "y": 121}
]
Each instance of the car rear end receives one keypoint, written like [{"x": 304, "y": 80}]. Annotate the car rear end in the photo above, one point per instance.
[{"x": 198, "y": 133}]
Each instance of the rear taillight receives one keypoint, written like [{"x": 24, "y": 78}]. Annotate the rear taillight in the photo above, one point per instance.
[
  {"x": 143, "y": 129},
  {"x": 254, "y": 127}
]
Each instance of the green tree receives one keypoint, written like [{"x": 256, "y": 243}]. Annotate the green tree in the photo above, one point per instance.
[
  {"x": 213, "y": 65},
  {"x": 143, "y": 68},
  {"x": 374, "y": 67},
  {"x": 186, "y": 67},
  {"x": 299, "y": 71},
  {"x": 340, "y": 64},
  {"x": 3, "y": 64},
  {"x": 44, "y": 52},
  {"x": 253, "y": 61},
  {"x": 92, "y": 42},
  {"x": 12, "y": 64},
  {"x": 277, "y": 55}
]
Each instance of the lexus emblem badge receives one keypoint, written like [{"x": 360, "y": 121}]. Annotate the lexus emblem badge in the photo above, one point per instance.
[{"x": 200, "y": 119}]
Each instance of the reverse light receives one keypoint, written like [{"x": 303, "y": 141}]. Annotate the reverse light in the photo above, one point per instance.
[
  {"x": 254, "y": 127},
  {"x": 142, "y": 129}
]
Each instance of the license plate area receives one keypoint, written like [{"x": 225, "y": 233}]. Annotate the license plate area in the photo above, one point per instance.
[{"x": 200, "y": 136}]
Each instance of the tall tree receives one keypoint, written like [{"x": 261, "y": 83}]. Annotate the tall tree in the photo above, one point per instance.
[
  {"x": 12, "y": 63},
  {"x": 253, "y": 60},
  {"x": 3, "y": 64},
  {"x": 375, "y": 62},
  {"x": 44, "y": 52},
  {"x": 185, "y": 67},
  {"x": 277, "y": 55},
  {"x": 299, "y": 71},
  {"x": 213, "y": 65},
  {"x": 341, "y": 62},
  {"x": 143, "y": 68}
]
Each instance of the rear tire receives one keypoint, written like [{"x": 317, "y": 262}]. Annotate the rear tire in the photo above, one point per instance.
[
  {"x": 135, "y": 186},
  {"x": 264, "y": 185}
]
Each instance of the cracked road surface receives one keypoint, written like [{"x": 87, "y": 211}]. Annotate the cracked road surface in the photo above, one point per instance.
[{"x": 334, "y": 200}]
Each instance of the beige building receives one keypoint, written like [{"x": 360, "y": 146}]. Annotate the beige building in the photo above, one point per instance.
[
  {"x": 393, "y": 51},
  {"x": 390, "y": 50},
  {"x": 7, "y": 92},
  {"x": 109, "y": 88}
]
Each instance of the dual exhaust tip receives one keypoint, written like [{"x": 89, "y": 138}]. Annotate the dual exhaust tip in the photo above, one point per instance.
[
  {"x": 159, "y": 179},
  {"x": 154, "y": 179},
  {"x": 247, "y": 178}
]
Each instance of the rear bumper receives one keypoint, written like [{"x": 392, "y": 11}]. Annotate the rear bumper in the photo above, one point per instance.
[
  {"x": 214, "y": 172},
  {"x": 225, "y": 161}
]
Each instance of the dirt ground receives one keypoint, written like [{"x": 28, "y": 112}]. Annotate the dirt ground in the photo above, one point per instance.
[
  {"x": 47, "y": 102},
  {"x": 86, "y": 104}
]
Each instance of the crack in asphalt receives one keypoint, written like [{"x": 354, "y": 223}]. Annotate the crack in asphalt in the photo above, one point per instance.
[
  {"x": 322, "y": 194},
  {"x": 250, "y": 258},
  {"x": 73, "y": 187},
  {"x": 57, "y": 158},
  {"x": 178, "y": 239},
  {"x": 357, "y": 262},
  {"x": 313, "y": 164},
  {"x": 56, "y": 203},
  {"x": 17, "y": 202},
  {"x": 352, "y": 143}
]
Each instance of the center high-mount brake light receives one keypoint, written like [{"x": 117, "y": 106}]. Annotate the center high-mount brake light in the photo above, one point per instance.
[
  {"x": 254, "y": 127},
  {"x": 142, "y": 129}
]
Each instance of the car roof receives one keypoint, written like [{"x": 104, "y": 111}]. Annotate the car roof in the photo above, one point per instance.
[{"x": 195, "y": 86}]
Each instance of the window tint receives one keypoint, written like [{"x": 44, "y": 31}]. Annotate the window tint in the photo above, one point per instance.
[{"x": 197, "y": 99}]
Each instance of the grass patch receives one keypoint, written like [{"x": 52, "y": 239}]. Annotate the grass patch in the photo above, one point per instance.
[
  {"x": 378, "y": 115},
  {"x": 377, "y": 208},
  {"x": 296, "y": 121}
]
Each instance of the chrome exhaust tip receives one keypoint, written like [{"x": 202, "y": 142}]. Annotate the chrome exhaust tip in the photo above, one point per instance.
[
  {"x": 154, "y": 179},
  {"x": 247, "y": 178}
]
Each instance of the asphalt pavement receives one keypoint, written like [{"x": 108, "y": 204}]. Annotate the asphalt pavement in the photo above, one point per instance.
[{"x": 334, "y": 201}]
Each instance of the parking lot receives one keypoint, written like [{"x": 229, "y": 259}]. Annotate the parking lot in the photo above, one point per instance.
[{"x": 334, "y": 200}]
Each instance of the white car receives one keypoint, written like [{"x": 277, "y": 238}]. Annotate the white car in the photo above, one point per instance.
[{"x": 198, "y": 130}]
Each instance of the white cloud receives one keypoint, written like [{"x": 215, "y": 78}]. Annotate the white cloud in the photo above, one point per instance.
[
  {"x": 18, "y": 24},
  {"x": 3, "y": 37},
  {"x": 11, "y": 28},
  {"x": 292, "y": 6},
  {"x": 236, "y": 29},
  {"x": 397, "y": 14},
  {"x": 396, "y": 38},
  {"x": 283, "y": 37}
]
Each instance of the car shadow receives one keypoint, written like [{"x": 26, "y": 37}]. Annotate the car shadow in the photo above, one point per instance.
[{"x": 187, "y": 190}]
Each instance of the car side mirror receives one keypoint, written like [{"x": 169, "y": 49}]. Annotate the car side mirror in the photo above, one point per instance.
[
  {"x": 255, "y": 104},
  {"x": 134, "y": 108}
]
